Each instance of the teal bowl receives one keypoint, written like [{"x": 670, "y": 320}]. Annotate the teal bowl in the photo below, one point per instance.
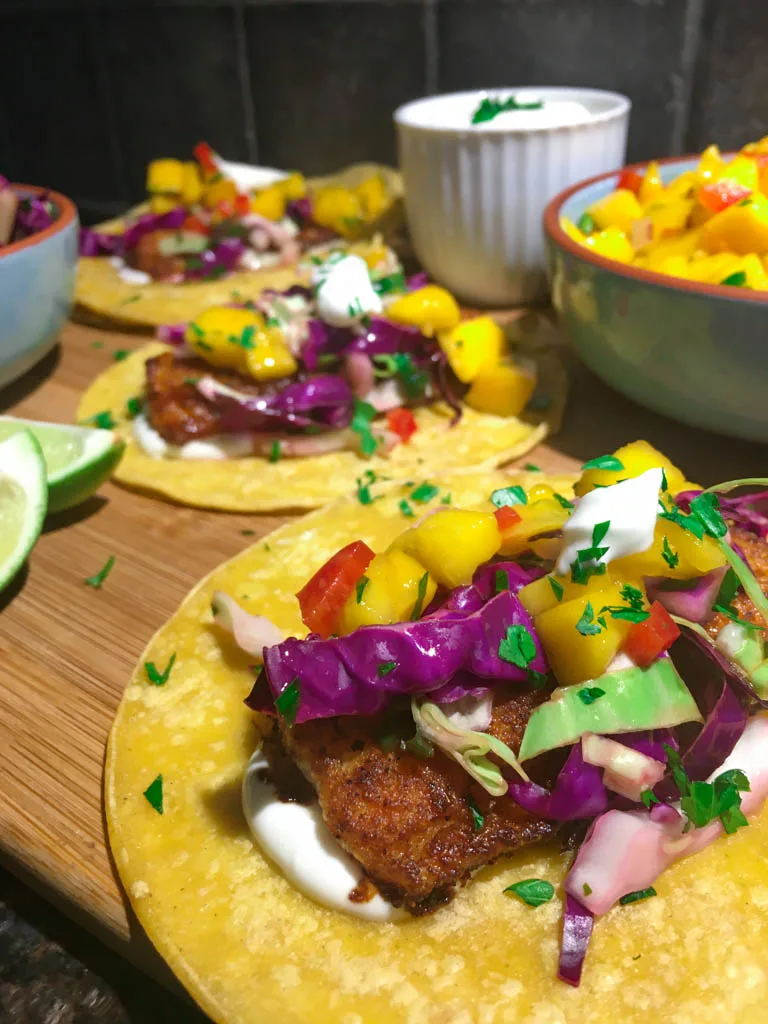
[
  {"x": 695, "y": 352},
  {"x": 37, "y": 282}
]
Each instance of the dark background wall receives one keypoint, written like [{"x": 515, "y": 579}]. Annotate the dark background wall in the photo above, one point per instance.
[{"x": 92, "y": 90}]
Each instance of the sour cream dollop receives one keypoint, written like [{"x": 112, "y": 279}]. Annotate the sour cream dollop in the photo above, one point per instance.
[
  {"x": 297, "y": 839},
  {"x": 226, "y": 446},
  {"x": 344, "y": 291}
]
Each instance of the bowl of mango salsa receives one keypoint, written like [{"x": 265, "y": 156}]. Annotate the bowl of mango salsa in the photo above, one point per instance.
[{"x": 659, "y": 275}]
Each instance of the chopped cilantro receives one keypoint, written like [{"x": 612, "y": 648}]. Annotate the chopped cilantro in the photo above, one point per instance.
[
  {"x": 735, "y": 280},
  {"x": 287, "y": 702},
  {"x": 557, "y": 588},
  {"x": 362, "y": 583},
  {"x": 583, "y": 573},
  {"x": 625, "y": 614},
  {"x": 246, "y": 338},
  {"x": 247, "y": 533},
  {"x": 390, "y": 283},
  {"x": 362, "y": 415},
  {"x": 490, "y": 107},
  {"x": 154, "y": 794},
  {"x": 531, "y": 468},
  {"x": 733, "y": 615},
  {"x": 585, "y": 224},
  {"x": 564, "y": 501},
  {"x": 587, "y": 889},
  {"x": 586, "y": 624},
  {"x": 364, "y": 495},
  {"x": 632, "y": 596},
  {"x": 649, "y": 799},
  {"x": 199, "y": 343},
  {"x": 690, "y": 523},
  {"x": 274, "y": 452},
  {"x": 609, "y": 462},
  {"x": 639, "y": 894},
  {"x": 501, "y": 580},
  {"x": 702, "y": 802},
  {"x": 421, "y": 593},
  {"x": 504, "y": 496},
  {"x": 98, "y": 578},
  {"x": 533, "y": 891},
  {"x": 405, "y": 508},
  {"x": 664, "y": 484},
  {"x": 424, "y": 492},
  {"x": 385, "y": 668},
  {"x": 670, "y": 557},
  {"x": 477, "y": 818},
  {"x": 120, "y": 354},
  {"x": 729, "y": 588},
  {"x": 705, "y": 507},
  {"x": 103, "y": 420},
  {"x": 155, "y": 676},
  {"x": 589, "y": 694},
  {"x": 130, "y": 299},
  {"x": 518, "y": 647},
  {"x": 133, "y": 407},
  {"x": 446, "y": 499},
  {"x": 97, "y": 344}
]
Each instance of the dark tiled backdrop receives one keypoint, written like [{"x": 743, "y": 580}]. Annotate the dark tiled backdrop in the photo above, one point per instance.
[{"x": 95, "y": 88}]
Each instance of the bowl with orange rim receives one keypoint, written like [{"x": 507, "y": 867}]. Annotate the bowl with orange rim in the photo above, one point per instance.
[
  {"x": 694, "y": 350},
  {"x": 37, "y": 275}
]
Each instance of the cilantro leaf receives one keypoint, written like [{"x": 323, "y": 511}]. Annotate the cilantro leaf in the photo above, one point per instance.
[
  {"x": 120, "y": 354},
  {"x": 501, "y": 580},
  {"x": 446, "y": 499},
  {"x": 518, "y": 647},
  {"x": 532, "y": 468},
  {"x": 599, "y": 531},
  {"x": 477, "y": 818},
  {"x": 589, "y": 694},
  {"x": 154, "y": 794},
  {"x": 503, "y": 496},
  {"x": 564, "y": 501},
  {"x": 98, "y": 578},
  {"x": 729, "y": 588},
  {"x": 364, "y": 492},
  {"x": 690, "y": 523},
  {"x": 605, "y": 462},
  {"x": 155, "y": 676},
  {"x": 533, "y": 891},
  {"x": 581, "y": 573},
  {"x": 133, "y": 407},
  {"x": 557, "y": 588},
  {"x": 421, "y": 593},
  {"x": 639, "y": 894},
  {"x": 586, "y": 624},
  {"x": 385, "y": 667},
  {"x": 362, "y": 415},
  {"x": 620, "y": 611},
  {"x": 103, "y": 420},
  {"x": 664, "y": 484},
  {"x": 424, "y": 492},
  {"x": 706, "y": 508},
  {"x": 287, "y": 702},
  {"x": 632, "y": 596},
  {"x": 405, "y": 508},
  {"x": 670, "y": 557},
  {"x": 362, "y": 583},
  {"x": 274, "y": 452},
  {"x": 649, "y": 799}
]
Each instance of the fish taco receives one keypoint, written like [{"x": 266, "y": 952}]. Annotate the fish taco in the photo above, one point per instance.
[
  {"x": 211, "y": 229},
  {"x": 292, "y": 400},
  {"x": 502, "y": 761}
]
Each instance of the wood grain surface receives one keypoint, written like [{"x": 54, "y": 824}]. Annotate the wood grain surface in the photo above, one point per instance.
[{"x": 66, "y": 650}]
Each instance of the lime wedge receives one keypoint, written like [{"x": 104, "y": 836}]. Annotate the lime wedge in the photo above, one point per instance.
[
  {"x": 23, "y": 498},
  {"x": 78, "y": 459}
]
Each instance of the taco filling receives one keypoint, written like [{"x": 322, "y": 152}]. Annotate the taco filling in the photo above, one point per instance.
[
  {"x": 204, "y": 222},
  {"x": 336, "y": 366},
  {"x": 592, "y": 669}
]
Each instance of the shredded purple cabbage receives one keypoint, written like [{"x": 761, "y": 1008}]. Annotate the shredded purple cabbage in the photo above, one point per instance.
[
  {"x": 300, "y": 210},
  {"x": 416, "y": 281},
  {"x": 740, "y": 511},
  {"x": 322, "y": 401},
  {"x": 384, "y": 337},
  {"x": 34, "y": 214},
  {"x": 172, "y": 334},
  {"x": 577, "y": 931},
  {"x": 101, "y": 243},
  {"x": 578, "y": 792},
  {"x": 323, "y": 340},
  {"x": 221, "y": 258}
]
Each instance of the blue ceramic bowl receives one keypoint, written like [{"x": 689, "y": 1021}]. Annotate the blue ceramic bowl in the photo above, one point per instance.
[
  {"x": 37, "y": 280},
  {"x": 696, "y": 352}
]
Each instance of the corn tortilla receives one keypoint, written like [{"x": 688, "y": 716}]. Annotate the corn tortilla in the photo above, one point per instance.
[{"x": 250, "y": 948}]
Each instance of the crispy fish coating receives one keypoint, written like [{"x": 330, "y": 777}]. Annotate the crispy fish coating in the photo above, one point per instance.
[
  {"x": 755, "y": 551},
  {"x": 407, "y": 820}
]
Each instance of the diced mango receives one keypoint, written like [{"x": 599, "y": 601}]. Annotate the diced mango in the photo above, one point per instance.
[
  {"x": 741, "y": 228},
  {"x": 544, "y": 516},
  {"x": 451, "y": 543},
  {"x": 572, "y": 231},
  {"x": 222, "y": 190},
  {"x": 711, "y": 165},
  {"x": 431, "y": 309},
  {"x": 390, "y": 595},
  {"x": 472, "y": 344},
  {"x": 541, "y": 595},
  {"x": 338, "y": 209},
  {"x": 502, "y": 389},
  {"x": 165, "y": 176},
  {"x": 694, "y": 556},
  {"x": 373, "y": 197},
  {"x": 713, "y": 269},
  {"x": 192, "y": 184},
  {"x": 269, "y": 202},
  {"x": 635, "y": 458},
  {"x": 576, "y": 654},
  {"x": 611, "y": 243},
  {"x": 294, "y": 186},
  {"x": 755, "y": 272},
  {"x": 219, "y": 335},
  {"x": 652, "y": 185},
  {"x": 617, "y": 210},
  {"x": 683, "y": 185},
  {"x": 267, "y": 356},
  {"x": 670, "y": 217},
  {"x": 742, "y": 169},
  {"x": 161, "y": 204}
]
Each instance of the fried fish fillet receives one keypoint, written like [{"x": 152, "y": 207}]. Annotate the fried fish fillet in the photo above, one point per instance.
[
  {"x": 755, "y": 551},
  {"x": 409, "y": 821}
]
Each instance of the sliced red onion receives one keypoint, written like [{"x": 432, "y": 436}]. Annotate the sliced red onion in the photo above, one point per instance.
[
  {"x": 416, "y": 281},
  {"x": 741, "y": 511},
  {"x": 665, "y": 814},
  {"x": 358, "y": 369},
  {"x": 172, "y": 334},
  {"x": 252, "y": 633},
  {"x": 693, "y": 601},
  {"x": 577, "y": 931},
  {"x": 627, "y": 771},
  {"x": 300, "y": 210}
]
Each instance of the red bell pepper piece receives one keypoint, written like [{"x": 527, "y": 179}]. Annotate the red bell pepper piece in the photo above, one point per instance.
[
  {"x": 402, "y": 422},
  {"x": 193, "y": 223},
  {"x": 206, "y": 158},
  {"x": 630, "y": 180},
  {"x": 648, "y": 639},
  {"x": 721, "y": 194},
  {"x": 323, "y": 597},
  {"x": 506, "y": 517},
  {"x": 242, "y": 205}
]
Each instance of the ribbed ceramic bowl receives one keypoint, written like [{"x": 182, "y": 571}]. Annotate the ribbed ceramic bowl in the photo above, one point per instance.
[
  {"x": 37, "y": 280},
  {"x": 696, "y": 352},
  {"x": 475, "y": 193}
]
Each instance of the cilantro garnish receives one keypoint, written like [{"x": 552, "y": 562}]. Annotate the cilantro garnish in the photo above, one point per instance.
[
  {"x": 424, "y": 492},
  {"x": 583, "y": 573},
  {"x": 364, "y": 495},
  {"x": 477, "y": 818},
  {"x": 626, "y": 614},
  {"x": 605, "y": 462},
  {"x": 587, "y": 562},
  {"x": 729, "y": 588},
  {"x": 664, "y": 484},
  {"x": 390, "y": 283},
  {"x": 120, "y": 354},
  {"x": 489, "y": 107},
  {"x": 501, "y": 580},
  {"x": 203, "y": 345},
  {"x": 414, "y": 380},
  {"x": 362, "y": 583},
  {"x": 362, "y": 415},
  {"x": 632, "y": 596},
  {"x": 533, "y": 891},
  {"x": 702, "y": 802},
  {"x": 733, "y": 615},
  {"x": 446, "y": 499},
  {"x": 586, "y": 624},
  {"x": 557, "y": 588},
  {"x": 247, "y": 533},
  {"x": 649, "y": 799},
  {"x": 585, "y": 224},
  {"x": 670, "y": 557},
  {"x": 706, "y": 508},
  {"x": 690, "y": 523},
  {"x": 287, "y": 703},
  {"x": 564, "y": 501},
  {"x": 98, "y": 578},
  {"x": 385, "y": 668},
  {"x": 155, "y": 676},
  {"x": 154, "y": 794},
  {"x": 97, "y": 344},
  {"x": 405, "y": 508},
  {"x": 739, "y": 278},
  {"x": 518, "y": 647},
  {"x": 587, "y": 889},
  {"x": 133, "y": 407},
  {"x": 100, "y": 419},
  {"x": 589, "y": 694},
  {"x": 246, "y": 338},
  {"x": 274, "y": 452},
  {"x": 639, "y": 894},
  {"x": 531, "y": 468},
  {"x": 130, "y": 299},
  {"x": 421, "y": 593},
  {"x": 504, "y": 496}
]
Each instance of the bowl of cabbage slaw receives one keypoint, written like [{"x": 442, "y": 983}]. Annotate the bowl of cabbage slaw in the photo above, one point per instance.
[
  {"x": 38, "y": 255},
  {"x": 691, "y": 347}
]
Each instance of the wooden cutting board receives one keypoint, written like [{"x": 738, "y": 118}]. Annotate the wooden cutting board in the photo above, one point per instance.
[{"x": 66, "y": 650}]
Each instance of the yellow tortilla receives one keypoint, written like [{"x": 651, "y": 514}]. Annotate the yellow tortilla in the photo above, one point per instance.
[
  {"x": 250, "y": 948},
  {"x": 100, "y": 290},
  {"x": 257, "y": 485}
]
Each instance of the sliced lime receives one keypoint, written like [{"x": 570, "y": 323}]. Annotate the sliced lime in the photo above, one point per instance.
[
  {"x": 23, "y": 497},
  {"x": 78, "y": 459}
]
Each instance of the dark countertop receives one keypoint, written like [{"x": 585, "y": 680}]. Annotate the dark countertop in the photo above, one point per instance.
[{"x": 53, "y": 972}]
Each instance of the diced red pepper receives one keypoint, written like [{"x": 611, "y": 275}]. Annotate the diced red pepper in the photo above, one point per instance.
[
  {"x": 631, "y": 180},
  {"x": 323, "y": 597},
  {"x": 506, "y": 517},
  {"x": 242, "y": 205},
  {"x": 193, "y": 223},
  {"x": 225, "y": 209},
  {"x": 403, "y": 423},
  {"x": 206, "y": 158},
  {"x": 648, "y": 639},
  {"x": 721, "y": 194}
]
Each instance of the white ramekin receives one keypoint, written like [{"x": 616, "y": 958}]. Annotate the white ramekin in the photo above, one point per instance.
[{"x": 475, "y": 195}]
